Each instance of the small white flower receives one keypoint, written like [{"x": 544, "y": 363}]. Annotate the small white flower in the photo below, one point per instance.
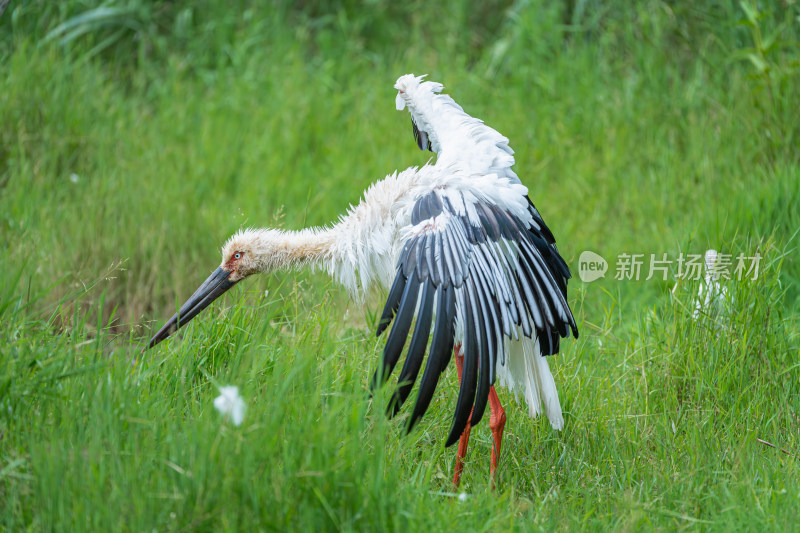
[
  {"x": 74, "y": 178},
  {"x": 462, "y": 497},
  {"x": 229, "y": 403}
]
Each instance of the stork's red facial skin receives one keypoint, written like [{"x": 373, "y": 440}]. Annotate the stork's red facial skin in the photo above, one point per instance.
[{"x": 230, "y": 265}]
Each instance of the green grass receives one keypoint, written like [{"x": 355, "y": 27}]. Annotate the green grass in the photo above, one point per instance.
[{"x": 131, "y": 150}]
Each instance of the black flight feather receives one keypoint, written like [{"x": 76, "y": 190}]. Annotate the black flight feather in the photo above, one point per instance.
[
  {"x": 416, "y": 351},
  {"x": 482, "y": 392},
  {"x": 421, "y": 137},
  {"x": 441, "y": 348},
  {"x": 397, "y": 337},
  {"x": 469, "y": 377},
  {"x": 392, "y": 302}
]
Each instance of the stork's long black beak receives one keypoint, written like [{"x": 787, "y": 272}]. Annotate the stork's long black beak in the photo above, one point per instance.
[{"x": 215, "y": 286}]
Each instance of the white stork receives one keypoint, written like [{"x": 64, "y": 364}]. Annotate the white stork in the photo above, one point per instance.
[{"x": 464, "y": 254}]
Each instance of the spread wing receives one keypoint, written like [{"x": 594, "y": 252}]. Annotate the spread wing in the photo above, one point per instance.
[
  {"x": 459, "y": 140},
  {"x": 471, "y": 262}
]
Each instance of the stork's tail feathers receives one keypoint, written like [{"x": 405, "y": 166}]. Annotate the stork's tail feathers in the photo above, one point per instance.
[{"x": 527, "y": 373}]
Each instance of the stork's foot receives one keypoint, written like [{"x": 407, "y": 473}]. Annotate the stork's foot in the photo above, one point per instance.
[{"x": 497, "y": 423}]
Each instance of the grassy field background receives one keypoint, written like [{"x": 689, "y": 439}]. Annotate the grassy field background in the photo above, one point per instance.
[{"x": 136, "y": 136}]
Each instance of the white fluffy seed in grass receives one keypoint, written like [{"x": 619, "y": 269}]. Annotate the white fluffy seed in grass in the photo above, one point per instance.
[
  {"x": 462, "y": 497},
  {"x": 230, "y": 404}
]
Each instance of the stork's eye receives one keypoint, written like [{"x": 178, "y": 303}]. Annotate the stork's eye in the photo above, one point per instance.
[{"x": 237, "y": 255}]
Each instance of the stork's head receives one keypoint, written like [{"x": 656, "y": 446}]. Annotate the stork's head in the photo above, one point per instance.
[{"x": 246, "y": 253}]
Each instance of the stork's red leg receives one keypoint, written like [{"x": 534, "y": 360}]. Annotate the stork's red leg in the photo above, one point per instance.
[
  {"x": 497, "y": 422},
  {"x": 464, "y": 440}
]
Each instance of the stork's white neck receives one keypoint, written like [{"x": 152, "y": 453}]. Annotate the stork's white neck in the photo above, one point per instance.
[
  {"x": 357, "y": 251},
  {"x": 266, "y": 249},
  {"x": 298, "y": 248}
]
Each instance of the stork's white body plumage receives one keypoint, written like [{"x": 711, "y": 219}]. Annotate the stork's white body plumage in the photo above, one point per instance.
[{"x": 464, "y": 254}]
